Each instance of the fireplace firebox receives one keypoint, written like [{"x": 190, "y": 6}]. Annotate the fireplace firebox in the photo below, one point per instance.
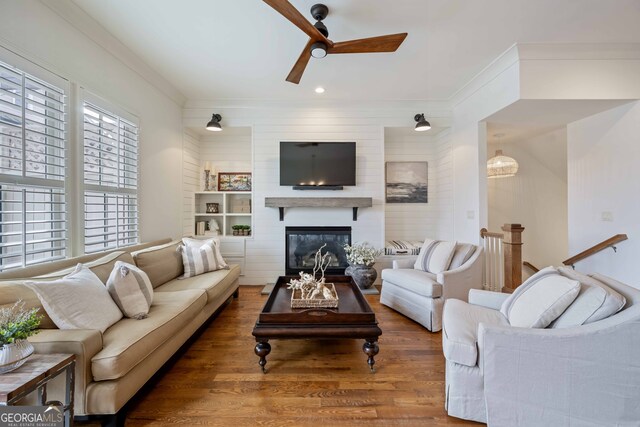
[{"x": 302, "y": 243}]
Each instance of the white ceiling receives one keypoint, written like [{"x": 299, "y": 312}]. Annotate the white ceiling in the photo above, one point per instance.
[
  {"x": 242, "y": 49},
  {"x": 525, "y": 119}
]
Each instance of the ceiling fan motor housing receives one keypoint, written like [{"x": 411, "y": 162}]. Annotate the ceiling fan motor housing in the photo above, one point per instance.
[
  {"x": 319, "y": 11},
  {"x": 322, "y": 28}
]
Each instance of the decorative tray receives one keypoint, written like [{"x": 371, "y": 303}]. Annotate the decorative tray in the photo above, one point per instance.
[{"x": 328, "y": 299}]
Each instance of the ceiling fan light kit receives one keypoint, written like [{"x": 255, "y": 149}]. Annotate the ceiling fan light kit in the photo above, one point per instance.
[
  {"x": 422, "y": 124},
  {"x": 318, "y": 50},
  {"x": 319, "y": 45},
  {"x": 214, "y": 123}
]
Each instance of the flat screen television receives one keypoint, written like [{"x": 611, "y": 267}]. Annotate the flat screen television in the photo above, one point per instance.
[{"x": 317, "y": 164}]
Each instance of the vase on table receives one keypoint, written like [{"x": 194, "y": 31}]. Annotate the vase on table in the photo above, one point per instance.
[
  {"x": 363, "y": 275},
  {"x": 13, "y": 355}
]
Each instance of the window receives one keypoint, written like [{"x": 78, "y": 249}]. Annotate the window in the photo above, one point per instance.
[
  {"x": 110, "y": 178},
  {"x": 32, "y": 168}
]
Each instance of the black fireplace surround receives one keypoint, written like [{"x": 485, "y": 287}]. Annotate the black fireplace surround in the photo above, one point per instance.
[{"x": 302, "y": 243}]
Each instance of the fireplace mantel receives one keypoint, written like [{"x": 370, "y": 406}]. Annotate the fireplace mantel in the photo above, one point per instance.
[{"x": 318, "y": 202}]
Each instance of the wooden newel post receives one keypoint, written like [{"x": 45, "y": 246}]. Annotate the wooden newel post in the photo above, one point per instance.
[{"x": 512, "y": 245}]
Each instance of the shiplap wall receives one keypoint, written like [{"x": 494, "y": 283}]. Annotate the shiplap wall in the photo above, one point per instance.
[
  {"x": 536, "y": 197},
  {"x": 416, "y": 221},
  {"x": 603, "y": 187},
  {"x": 191, "y": 172},
  {"x": 265, "y": 249},
  {"x": 228, "y": 151},
  {"x": 266, "y": 252}
]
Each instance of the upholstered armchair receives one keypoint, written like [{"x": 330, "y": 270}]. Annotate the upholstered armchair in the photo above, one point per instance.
[
  {"x": 420, "y": 295},
  {"x": 586, "y": 375}
]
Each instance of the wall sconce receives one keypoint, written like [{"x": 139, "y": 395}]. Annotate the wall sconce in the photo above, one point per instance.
[
  {"x": 214, "y": 123},
  {"x": 423, "y": 124}
]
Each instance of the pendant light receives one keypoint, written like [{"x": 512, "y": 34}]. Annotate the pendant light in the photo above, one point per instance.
[{"x": 501, "y": 166}]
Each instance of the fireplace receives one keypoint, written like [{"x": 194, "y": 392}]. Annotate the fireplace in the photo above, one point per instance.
[{"x": 302, "y": 243}]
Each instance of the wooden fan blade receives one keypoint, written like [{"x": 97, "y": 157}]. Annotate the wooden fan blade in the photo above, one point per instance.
[
  {"x": 298, "y": 68},
  {"x": 389, "y": 43},
  {"x": 286, "y": 9}
]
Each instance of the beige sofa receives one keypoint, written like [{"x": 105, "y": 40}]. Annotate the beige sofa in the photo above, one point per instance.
[{"x": 112, "y": 367}]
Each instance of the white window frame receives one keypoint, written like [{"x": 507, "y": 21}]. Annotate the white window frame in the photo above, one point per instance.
[
  {"x": 34, "y": 70},
  {"x": 90, "y": 98}
]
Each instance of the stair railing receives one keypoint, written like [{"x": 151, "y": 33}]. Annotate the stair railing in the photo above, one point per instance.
[
  {"x": 530, "y": 266},
  {"x": 503, "y": 258},
  {"x": 605, "y": 244}
]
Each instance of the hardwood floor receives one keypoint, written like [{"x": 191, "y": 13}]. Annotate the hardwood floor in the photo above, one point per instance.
[{"x": 217, "y": 381}]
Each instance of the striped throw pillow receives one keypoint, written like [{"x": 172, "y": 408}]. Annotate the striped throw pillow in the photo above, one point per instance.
[
  {"x": 435, "y": 256},
  {"x": 131, "y": 290},
  {"x": 402, "y": 247},
  {"x": 461, "y": 255},
  {"x": 202, "y": 257}
]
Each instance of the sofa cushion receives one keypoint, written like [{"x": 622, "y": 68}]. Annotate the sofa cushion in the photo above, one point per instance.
[
  {"x": 540, "y": 299},
  {"x": 420, "y": 282},
  {"x": 461, "y": 254},
  {"x": 460, "y": 322},
  {"x": 77, "y": 301},
  {"x": 435, "y": 256},
  {"x": 214, "y": 283},
  {"x": 102, "y": 266},
  {"x": 596, "y": 301},
  {"x": 131, "y": 290},
  {"x": 130, "y": 341},
  {"x": 14, "y": 290},
  {"x": 161, "y": 263}
]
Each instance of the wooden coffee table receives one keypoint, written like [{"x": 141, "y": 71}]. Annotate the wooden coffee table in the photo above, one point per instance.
[{"x": 352, "y": 319}]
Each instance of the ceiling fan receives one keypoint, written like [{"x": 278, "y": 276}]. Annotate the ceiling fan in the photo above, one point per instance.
[{"x": 319, "y": 45}]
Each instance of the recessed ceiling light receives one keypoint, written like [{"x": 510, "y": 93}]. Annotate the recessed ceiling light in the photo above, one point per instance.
[{"x": 319, "y": 89}]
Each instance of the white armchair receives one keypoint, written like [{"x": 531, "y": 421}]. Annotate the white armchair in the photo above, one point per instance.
[
  {"x": 420, "y": 295},
  {"x": 587, "y": 375}
]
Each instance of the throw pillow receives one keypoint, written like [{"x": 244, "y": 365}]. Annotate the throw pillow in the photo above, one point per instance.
[
  {"x": 201, "y": 257},
  {"x": 435, "y": 256},
  {"x": 461, "y": 255},
  {"x": 596, "y": 301},
  {"x": 131, "y": 290},
  {"x": 77, "y": 301},
  {"x": 214, "y": 241},
  {"x": 540, "y": 300}
]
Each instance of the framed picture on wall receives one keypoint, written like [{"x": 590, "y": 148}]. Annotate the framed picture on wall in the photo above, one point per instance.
[
  {"x": 234, "y": 181},
  {"x": 406, "y": 182}
]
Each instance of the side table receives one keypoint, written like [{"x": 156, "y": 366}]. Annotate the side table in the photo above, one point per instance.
[{"x": 34, "y": 375}]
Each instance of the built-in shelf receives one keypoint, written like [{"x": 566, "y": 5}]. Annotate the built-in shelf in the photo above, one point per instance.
[
  {"x": 318, "y": 202},
  {"x": 229, "y": 202}
]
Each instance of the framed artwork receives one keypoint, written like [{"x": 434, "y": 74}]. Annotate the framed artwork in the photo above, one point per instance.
[
  {"x": 406, "y": 182},
  {"x": 234, "y": 181}
]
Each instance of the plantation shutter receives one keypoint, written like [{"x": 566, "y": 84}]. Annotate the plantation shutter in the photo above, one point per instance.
[
  {"x": 111, "y": 180},
  {"x": 33, "y": 124}
]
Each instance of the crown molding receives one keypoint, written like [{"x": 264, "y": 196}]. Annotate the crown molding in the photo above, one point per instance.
[
  {"x": 504, "y": 61},
  {"x": 520, "y": 52},
  {"x": 91, "y": 28},
  {"x": 439, "y": 107},
  {"x": 578, "y": 51}
]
